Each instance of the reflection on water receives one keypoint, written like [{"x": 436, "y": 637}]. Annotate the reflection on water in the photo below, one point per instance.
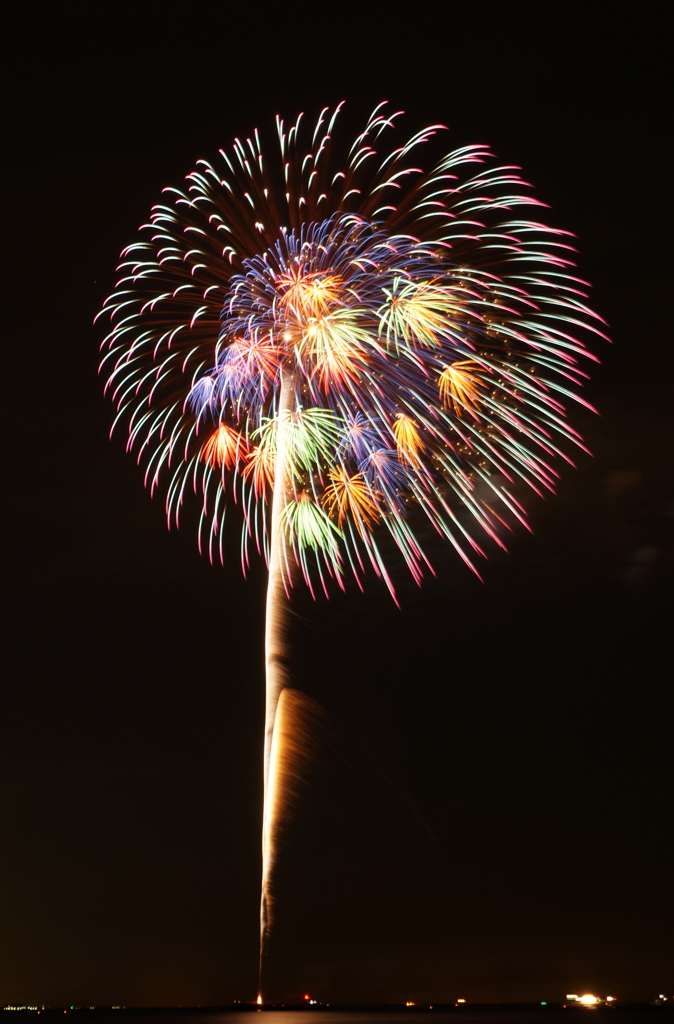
[
  {"x": 572, "y": 1015},
  {"x": 401, "y": 1017},
  {"x": 551, "y": 1015},
  {"x": 406, "y": 1017}
]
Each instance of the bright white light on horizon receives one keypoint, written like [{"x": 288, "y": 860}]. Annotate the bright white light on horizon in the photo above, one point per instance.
[{"x": 588, "y": 1000}]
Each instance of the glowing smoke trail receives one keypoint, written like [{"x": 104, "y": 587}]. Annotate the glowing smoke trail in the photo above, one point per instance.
[{"x": 275, "y": 666}]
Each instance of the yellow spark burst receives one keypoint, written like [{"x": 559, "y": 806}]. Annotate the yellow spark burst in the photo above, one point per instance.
[
  {"x": 459, "y": 387},
  {"x": 335, "y": 345},
  {"x": 417, "y": 313},
  {"x": 308, "y": 295},
  {"x": 408, "y": 439},
  {"x": 349, "y": 495}
]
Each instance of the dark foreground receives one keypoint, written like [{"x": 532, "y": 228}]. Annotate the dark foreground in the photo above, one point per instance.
[{"x": 508, "y": 1013}]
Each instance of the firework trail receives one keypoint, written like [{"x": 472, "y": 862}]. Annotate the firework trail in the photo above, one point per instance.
[
  {"x": 276, "y": 675},
  {"x": 347, "y": 346}
]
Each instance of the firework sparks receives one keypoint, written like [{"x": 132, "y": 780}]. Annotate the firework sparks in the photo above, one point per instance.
[{"x": 346, "y": 346}]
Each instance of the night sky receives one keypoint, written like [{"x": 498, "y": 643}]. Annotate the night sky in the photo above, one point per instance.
[{"x": 488, "y": 814}]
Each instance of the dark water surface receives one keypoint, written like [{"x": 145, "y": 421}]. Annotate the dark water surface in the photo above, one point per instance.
[
  {"x": 627, "y": 1014},
  {"x": 554, "y": 1015}
]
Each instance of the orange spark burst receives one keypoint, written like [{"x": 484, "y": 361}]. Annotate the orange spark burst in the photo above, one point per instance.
[
  {"x": 346, "y": 495},
  {"x": 459, "y": 387},
  {"x": 260, "y": 464},
  {"x": 225, "y": 445}
]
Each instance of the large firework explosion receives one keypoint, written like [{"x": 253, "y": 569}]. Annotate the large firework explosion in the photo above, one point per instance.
[{"x": 347, "y": 346}]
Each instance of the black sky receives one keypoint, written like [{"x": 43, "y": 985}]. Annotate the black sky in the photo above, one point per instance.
[{"x": 527, "y": 720}]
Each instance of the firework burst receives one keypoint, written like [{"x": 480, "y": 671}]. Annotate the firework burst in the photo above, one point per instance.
[{"x": 344, "y": 345}]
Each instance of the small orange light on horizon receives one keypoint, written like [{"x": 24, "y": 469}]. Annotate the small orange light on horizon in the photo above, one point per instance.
[
  {"x": 460, "y": 1000},
  {"x": 307, "y": 997}
]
